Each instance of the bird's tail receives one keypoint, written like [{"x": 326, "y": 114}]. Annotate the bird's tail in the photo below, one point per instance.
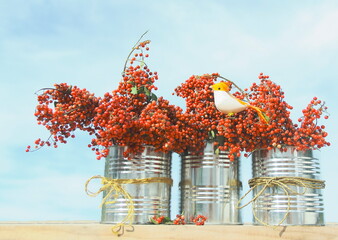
[{"x": 260, "y": 113}]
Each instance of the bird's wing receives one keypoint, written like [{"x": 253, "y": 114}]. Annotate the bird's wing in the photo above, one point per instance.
[
  {"x": 259, "y": 111},
  {"x": 240, "y": 101}
]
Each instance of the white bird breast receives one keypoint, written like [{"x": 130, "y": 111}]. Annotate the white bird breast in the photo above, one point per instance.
[{"x": 227, "y": 103}]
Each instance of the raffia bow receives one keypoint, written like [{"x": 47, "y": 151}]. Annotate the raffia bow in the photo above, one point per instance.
[
  {"x": 114, "y": 189},
  {"x": 284, "y": 183}
]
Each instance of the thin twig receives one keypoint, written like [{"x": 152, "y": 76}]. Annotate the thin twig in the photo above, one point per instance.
[
  {"x": 36, "y": 149},
  {"x": 131, "y": 52},
  {"x": 244, "y": 94},
  {"x": 55, "y": 89},
  {"x": 44, "y": 89}
]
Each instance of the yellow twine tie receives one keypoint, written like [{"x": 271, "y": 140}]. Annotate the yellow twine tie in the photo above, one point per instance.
[
  {"x": 283, "y": 183},
  {"x": 114, "y": 189}
]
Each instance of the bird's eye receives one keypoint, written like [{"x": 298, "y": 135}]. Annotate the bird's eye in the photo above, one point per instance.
[{"x": 219, "y": 88}]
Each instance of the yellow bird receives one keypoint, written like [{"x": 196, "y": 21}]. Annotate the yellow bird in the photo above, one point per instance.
[{"x": 225, "y": 102}]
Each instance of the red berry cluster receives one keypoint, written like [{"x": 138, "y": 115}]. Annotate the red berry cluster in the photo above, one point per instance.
[
  {"x": 309, "y": 135},
  {"x": 158, "y": 220},
  {"x": 62, "y": 110},
  {"x": 202, "y": 117},
  {"x": 199, "y": 220},
  {"x": 246, "y": 132},
  {"x": 179, "y": 220},
  {"x": 131, "y": 115}
]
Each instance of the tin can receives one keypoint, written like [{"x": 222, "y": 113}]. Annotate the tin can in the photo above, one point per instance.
[
  {"x": 210, "y": 186},
  {"x": 150, "y": 198},
  {"x": 305, "y": 208}
]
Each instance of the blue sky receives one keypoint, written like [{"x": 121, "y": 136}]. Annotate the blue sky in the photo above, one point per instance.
[{"x": 85, "y": 43}]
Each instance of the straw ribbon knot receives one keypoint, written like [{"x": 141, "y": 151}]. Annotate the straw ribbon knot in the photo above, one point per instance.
[
  {"x": 285, "y": 184},
  {"x": 114, "y": 189}
]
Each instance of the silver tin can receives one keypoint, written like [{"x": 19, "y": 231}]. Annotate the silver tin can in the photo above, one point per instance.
[
  {"x": 272, "y": 206},
  {"x": 210, "y": 186},
  {"x": 149, "y": 199}
]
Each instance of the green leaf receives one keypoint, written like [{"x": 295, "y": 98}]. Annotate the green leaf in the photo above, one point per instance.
[
  {"x": 220, "y": 140},
  {"x": 146, "y": 91},
  {"x": 153, "y": 97},
  {"x": 134, "y": 90},
  {"x": 217, "y": 151},
  {"x": 266, "y": 117},
  {"x": 152, "y": 220},
  {"x": 167, "y": 220},
  {"x": 211, "y": 134}
]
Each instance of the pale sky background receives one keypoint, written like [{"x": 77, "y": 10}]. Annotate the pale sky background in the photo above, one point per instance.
[{"x": 85, "y": 43}]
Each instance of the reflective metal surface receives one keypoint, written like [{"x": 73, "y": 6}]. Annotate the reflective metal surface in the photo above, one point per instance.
[
  {"x": 210, "y": 186},
  {"x": 149, "y": 199},
  {"x": 306, "y": 209}
]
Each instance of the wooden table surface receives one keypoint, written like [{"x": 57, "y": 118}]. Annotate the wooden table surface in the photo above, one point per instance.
[{"x": 89, "y": 230}]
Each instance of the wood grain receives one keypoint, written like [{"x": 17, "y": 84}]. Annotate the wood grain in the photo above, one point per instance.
[{"x": 87, "y": 230}]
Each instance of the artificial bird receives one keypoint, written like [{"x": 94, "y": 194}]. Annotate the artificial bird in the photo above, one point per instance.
[{"x": 227, "y": 103}]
